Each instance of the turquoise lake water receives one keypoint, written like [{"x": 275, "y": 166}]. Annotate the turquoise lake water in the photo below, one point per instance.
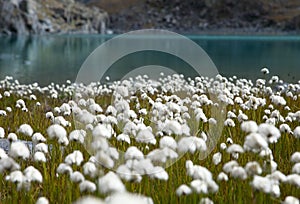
[{"x": 56, "y": 58}]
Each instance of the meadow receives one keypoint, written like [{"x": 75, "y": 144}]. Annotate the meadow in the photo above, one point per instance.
[{"x": 175, "y": 140}]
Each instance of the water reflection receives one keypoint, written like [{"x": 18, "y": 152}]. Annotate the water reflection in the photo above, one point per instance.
[
  {"x": 44, "y": 59},
  {"x": 56, "y": 58}
]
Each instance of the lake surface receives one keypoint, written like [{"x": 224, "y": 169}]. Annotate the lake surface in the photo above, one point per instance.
[{"x": 56, "y": 58}]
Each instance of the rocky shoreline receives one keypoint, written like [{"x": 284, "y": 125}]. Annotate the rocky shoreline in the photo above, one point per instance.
[
  {"x": 210, "y": 16},
  {"x": 50, "y": 16},
  {"x": 262, "y": 17},
  {"x": 206, "y": 16}
]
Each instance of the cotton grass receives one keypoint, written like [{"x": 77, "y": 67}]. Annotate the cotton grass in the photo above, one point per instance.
[{"x": 123, "y": 141}]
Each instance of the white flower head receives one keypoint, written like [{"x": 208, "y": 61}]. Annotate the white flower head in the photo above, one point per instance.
[
  {"x": 124, "y": 197},
  {"x": 295, "y": 157},
  {"x": 8, "y": 164},
  {"x": 296, "y": 132},
  {"x": 133, "y": 153},
  {"x": 265, "y": 70},
  {"x": 87, "y": 186},
  {"x": 64, "y": 168},
  {"x": 191, "y": 144},
  {"x": 38, "y": 138},
  {"x": 255, "y": 142},
  {"x": 76, "y": 177},
  {"x": 2, "y": 132},
  {"x": 290, "y": 200},
  {"x": 42, "y": 200},
  {"x": 222, "y": 177},
  {"x": 217, "y": 158},
  {"x": 77, "y": 136},
  {"x": 253, "y": 168},
  {"x": 249, "y": 126},
  {"x": 56, "y": 132},
  {"x": 41, "y": 147},
  {"x": 25, "y": 129},
  {"x": 75, "y": 157},
  {"x": 183, "y": 190},
  {"x": 90, "y": 169},
  {"x": 270, "y": 132},
  {"x": 19, "y": 150},
  {"x": 39, "y": 157},
  {"x": 32, "y": 174},
  {"x": 168, "y": 141},
  {"x": 110, "y": 183}
]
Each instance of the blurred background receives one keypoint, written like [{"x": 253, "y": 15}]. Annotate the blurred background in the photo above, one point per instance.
[
  {"x": 198, "y": 16},
  {"x": 118, "y": 16}
]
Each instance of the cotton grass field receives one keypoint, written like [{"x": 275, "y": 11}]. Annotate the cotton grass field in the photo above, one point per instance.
[{"x": 220, "y": 140}]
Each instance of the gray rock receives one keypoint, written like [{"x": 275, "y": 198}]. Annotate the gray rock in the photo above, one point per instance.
[{"x": 49, "y": 16}]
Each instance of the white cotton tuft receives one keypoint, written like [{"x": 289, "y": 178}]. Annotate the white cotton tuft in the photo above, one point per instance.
[
  {"x": 110, "y": 183},
  {"x": 295, "y": 157},
  {"x": 278, "y": 100},
  {"x": 32, "y": 174},
  {"x": 253, "y": 168},
  {"x": 77, "y": 136},
  {"x": 104, "y": 159},
  {"x": 290, "y": 200},
  {"x": 38, "y": 138},
  {"x": 39, "y": 157},
  {"x": 229, "y": 122},
  {"x": 123, "y": 137},
  {"x": 293, "y": 179},
  {"x": 75, "y": 157},
  {"x": 159, "y": 173},
  {"x": 191, "y": 144},
  {"x": 235, "y": 148},
  {"x": 76, "y": 177},
  {"x": 25, "y": 129},
  {"x": 89, "y": 200},
  {"x": 183, "y": 190},
  {"x": 133, "y": 153},
  {"x": 168, "y": 141},
  {"x": 12, "y": 137},
  {"x": 249, "y": 126},
  {"x": 265, "y": 70},
  {"x": 206, "y": 201},
  {"x": 238, "y": 172},
  {"x": 2, "y": 154},
  {"x": 87, "y": 186},
  {"x": 263, "y": 184},
  {"x": 228, "y": 167},
  {"x": 270, "y": 132},
  {"x": 102, "y": 131},
  {"x": 56, "y": 132},
  {"x": 2, "y": 132},
  {"x": 145, "y": 136},
  {"x": 297, "y": 132},
  {"x": 128, "y": 198},
  {"x": 255, "y": 142},
  {"x": 172, "y": 127},
  {"x": 90, "y": 169},
  {"x": 217, "y": 158},
  {"x": 285, "y": 128},
  {"x": 42, "y": 200},
  {"x": 8, "y": 164},
  {"x": 222, "y": 177},
  {"x": 296, "y": 168},
  {"x": 41, "y": 147},
  {"x": 19, "y": 150},
  {"x": 64, "y": 168}
]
